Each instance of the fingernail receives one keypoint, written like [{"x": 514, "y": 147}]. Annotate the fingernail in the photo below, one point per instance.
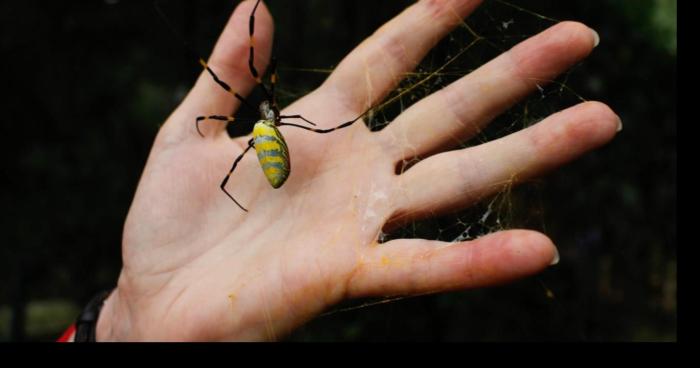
[
  {"x": 596, "y": 38},
  {"x": 555, "y": 259},
  {"x": 619, "y": 124}
]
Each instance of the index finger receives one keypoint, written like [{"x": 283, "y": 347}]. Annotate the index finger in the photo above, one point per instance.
[
  {"x": 229, "y": 61},
  {"x": 376, "y": 66}
]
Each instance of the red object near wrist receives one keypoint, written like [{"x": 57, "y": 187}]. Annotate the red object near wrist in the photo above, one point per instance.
[{"x": 67, "y": 335}]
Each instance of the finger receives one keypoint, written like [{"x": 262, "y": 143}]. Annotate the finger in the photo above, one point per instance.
[
  {"x": 462, "y": 109},
  {"x": 370, "y": 71},
  {"x": 457, "y": 179},
  {"x": 416, "y": 266},
  {"x": 229, "y": 61}
]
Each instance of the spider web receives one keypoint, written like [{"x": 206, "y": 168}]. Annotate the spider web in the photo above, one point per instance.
[{"x": 493, "y": 28}]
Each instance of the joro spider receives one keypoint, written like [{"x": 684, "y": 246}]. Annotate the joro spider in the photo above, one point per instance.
[{"x": 267, "y": 140}]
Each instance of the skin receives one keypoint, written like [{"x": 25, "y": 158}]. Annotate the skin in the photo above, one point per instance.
[{"x": 196, "y": 267}]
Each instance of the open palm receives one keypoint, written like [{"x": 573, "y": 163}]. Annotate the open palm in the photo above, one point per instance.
[{"x": 196, "y": 267}]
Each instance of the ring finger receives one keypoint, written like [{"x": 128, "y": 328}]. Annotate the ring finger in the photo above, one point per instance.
[{"x": 456, "y": 179}]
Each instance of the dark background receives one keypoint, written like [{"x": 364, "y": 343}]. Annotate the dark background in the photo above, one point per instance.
[{"x": 87, "y": 83}]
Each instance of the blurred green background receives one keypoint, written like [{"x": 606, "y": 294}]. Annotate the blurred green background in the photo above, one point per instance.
[{"x": 87, "y": 84}]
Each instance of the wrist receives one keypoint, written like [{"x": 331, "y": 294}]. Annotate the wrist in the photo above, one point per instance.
[{"x": 112, "y": 322}]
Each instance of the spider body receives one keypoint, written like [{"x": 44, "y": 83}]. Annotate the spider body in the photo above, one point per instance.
[
  {"x": 272, "y": 152},
  {"x": 271, "y": 147}
]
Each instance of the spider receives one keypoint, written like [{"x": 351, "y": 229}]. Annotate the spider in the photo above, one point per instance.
[{"x": 267, "y": 140}]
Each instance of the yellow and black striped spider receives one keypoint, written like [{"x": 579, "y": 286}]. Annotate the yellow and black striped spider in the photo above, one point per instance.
[{"x": 267, "y": 140}]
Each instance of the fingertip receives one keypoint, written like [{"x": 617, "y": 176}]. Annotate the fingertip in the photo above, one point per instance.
[
  {"x": 264, "y": 26},
  {"x": 524, "y": 252},
  {"x": 543, "y": 251},
  {"x": 577, "y": 35},
  {"x": 596, "y": 38},
  {"x": 569, "y": 134},
  {"x": 262, "y": 13},
  {"x": 600, "y": 121},
  {"x": 557, "y": 48},
  {"x": 605, "y": 114}
]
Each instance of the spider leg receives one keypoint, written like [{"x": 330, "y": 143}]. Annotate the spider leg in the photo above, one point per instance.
[
  {"x": 341, "y": 126},
  {"x": 212, "y": 117},
  {"x": 273, "y": 80},
  {"x": 235, "y": 163},
  {"x": 297, "y": 117},
  {"x": 315, "y": 130},
  {"x": 225, "y": 85},
  {"x": 251, "y": 56}
]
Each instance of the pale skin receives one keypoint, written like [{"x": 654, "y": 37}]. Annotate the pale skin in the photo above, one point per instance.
[{"x": 198, "y": 268}]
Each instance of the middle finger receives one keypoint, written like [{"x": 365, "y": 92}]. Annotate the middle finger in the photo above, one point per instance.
[
  {"x": 379, "y": 63},
  {"x": 450, "y": 116}
]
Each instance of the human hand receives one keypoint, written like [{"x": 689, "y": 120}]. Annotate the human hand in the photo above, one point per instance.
[{"x": 196, "y": 267}]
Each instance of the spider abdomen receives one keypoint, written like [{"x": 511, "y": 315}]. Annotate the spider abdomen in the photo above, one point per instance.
[{"x": 272, "y": 152}]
